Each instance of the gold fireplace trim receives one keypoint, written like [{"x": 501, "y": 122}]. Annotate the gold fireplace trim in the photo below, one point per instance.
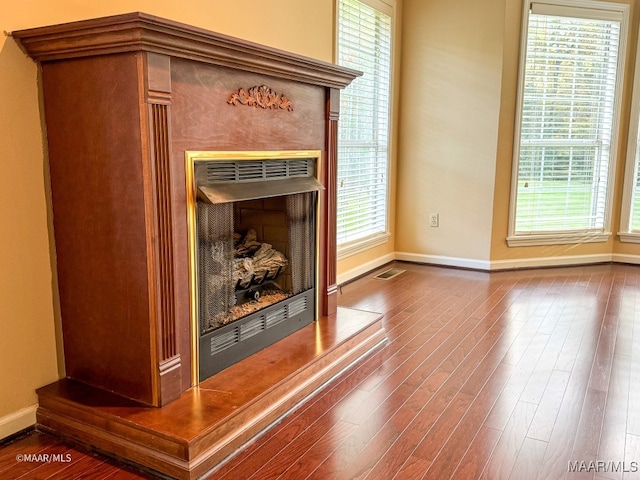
[{"x": 191, "y": 158}]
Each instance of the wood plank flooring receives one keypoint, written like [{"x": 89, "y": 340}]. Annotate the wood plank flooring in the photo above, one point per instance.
[{"x": 511, "y": 375}]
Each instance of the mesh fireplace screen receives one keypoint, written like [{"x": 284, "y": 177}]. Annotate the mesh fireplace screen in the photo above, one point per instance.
[
  {"x": 220, "y": 291},
  {"x": 300, "y": 214},
  {"x": 215, "y": 269}
]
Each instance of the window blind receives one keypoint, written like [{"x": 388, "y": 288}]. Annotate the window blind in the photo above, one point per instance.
[
  {"x": 634, "y": 223},
  {"x": 567, "y": 123},
  {"x": 364, "y": 43}
]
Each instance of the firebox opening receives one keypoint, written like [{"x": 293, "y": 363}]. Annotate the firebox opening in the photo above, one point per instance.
[
  {"x": 254, "y": 229},
  {"x": 247, "y": 268}
]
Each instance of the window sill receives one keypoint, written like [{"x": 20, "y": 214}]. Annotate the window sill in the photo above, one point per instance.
[
  {"x": 557, "y": 239},
  {"x": 629, "y": 237},
  {"x": 348, "y": 249}
]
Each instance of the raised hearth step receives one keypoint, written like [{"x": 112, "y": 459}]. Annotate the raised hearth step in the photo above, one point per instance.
[{"x": 189, "y": 437}]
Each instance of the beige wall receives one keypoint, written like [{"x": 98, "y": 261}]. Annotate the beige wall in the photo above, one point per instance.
[
  {"x": 449, "y": 110},
  {"x": 28, "y": 343}
]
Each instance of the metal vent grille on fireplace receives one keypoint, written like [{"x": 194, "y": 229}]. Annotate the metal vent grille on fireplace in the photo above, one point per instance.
[
  {"x": 259, "y": 170},
  {"x": 232, "y": 181},
  {"x": 244, "y": 330}
]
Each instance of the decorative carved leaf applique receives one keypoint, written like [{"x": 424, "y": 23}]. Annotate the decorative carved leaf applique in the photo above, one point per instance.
[{"x": 261, "y": 96}]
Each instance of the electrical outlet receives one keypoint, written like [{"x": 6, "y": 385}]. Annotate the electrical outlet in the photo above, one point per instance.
[{"x": 434, "y": 219}]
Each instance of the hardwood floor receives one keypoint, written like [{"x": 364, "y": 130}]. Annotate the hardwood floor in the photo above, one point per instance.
[
  {"x": 517, "y": 375},
  {"x": 37, "y": 456}
]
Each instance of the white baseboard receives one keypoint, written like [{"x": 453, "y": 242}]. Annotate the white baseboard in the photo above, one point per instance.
[
  {"x": 16, "y": 421},
  {"x": 624, "y": 258},
  {"x": 563, "y": 261},
  {"x": 364, "y": 268},
  {"x": 444, "y": 261},
  {"x": 513, "y": 264}
]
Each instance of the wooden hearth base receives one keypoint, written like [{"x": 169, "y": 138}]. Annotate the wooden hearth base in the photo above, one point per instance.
[{"x": 191, "y": 436}]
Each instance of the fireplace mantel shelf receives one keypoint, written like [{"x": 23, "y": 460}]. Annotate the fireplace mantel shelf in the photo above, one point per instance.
[{"x": 143, "y": 32}]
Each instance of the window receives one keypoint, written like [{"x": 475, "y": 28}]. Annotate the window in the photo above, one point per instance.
[
  {"x": 630, "y": 221},
  {"x": 566, "y": 132},
  {"x": 364, "y": 43}
]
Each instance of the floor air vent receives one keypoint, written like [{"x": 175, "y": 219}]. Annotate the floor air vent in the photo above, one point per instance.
[{"x": 389, "y": 274}]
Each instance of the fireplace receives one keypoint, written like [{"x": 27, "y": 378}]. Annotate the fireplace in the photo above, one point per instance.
[
  {"x": 121, "y": 141},
  {"x": 164, "y": 142},
  {"x": 252, "y": 238}
]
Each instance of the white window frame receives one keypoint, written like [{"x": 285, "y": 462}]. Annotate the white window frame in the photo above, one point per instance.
[
  {"x": 626, "y": 233},
  {"x": 580, "y": 9},
  {"x": 346, "y": 249}
]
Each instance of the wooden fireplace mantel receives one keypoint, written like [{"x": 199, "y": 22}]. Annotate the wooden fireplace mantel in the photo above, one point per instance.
[{"x": 124, "y": 98}]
